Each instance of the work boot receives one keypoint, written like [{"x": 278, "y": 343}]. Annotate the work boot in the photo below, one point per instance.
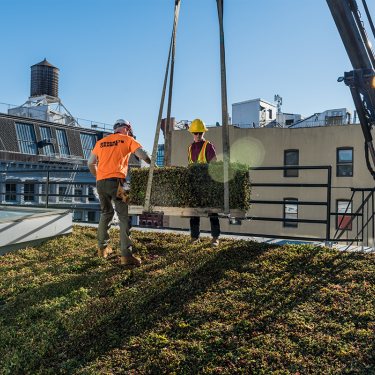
[
  {"x": 103, "y": 253},
  {"x": 194, "y": 241},
  {"x": 215, "y": 242},
  {"x": 130, "y": 261}
]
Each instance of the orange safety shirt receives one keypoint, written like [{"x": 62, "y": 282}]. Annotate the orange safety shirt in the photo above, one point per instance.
[{"x": 113, "y": 153}]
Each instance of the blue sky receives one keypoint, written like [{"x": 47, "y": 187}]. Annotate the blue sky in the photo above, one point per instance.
[{"x": 112, "y": 56}]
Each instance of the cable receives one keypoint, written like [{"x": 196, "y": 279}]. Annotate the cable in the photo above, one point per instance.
[{"x": 369, "y": 17}]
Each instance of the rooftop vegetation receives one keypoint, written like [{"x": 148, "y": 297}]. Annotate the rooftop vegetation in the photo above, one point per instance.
[{"x": 243, "y": 308}]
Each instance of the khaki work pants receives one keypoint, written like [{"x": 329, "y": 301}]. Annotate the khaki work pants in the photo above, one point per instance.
[{"x": 107, "y": 190}]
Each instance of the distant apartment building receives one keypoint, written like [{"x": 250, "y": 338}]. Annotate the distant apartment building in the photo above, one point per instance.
[
  {"x": 334, "y": 142},
  {"x": 259, "y": 113}
]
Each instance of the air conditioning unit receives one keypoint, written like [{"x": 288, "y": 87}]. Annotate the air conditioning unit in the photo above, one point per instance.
[{"x": 50, "y": 141}]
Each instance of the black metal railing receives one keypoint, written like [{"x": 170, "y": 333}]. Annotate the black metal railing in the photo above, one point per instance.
[
  {"x": 362, "y": 223},
  {"x": 47, "y": 194},
  {"x": 361, "y": 226}
]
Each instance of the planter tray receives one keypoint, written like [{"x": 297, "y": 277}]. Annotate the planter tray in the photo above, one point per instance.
[{"x": 187, "y": 211}]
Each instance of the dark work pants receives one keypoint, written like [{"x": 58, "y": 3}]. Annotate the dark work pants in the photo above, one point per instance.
[
  {"x": 195, "y": 226},
  {"x": 107, "y": 190}
]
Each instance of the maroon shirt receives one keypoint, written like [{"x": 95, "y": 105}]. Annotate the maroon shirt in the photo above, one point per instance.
[{"x": 196, "y": 148}]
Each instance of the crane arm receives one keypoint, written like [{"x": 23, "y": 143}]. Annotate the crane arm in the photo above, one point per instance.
[{"x": 360, "y": 80}]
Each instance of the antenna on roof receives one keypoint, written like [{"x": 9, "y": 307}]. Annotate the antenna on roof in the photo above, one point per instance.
[{"x": 279, "y": 101}]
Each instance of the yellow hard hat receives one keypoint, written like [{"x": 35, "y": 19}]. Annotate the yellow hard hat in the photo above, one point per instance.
[{"x": 197, "y": 126}]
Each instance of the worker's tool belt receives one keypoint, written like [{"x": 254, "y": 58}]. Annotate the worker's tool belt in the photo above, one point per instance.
[{"x": 121, "y": 192}]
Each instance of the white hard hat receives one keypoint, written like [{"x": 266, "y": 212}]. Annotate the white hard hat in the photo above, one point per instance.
[{"x": 121, "y": 122}]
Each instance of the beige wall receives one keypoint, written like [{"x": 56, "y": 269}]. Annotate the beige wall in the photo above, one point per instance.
[{"x": 265, "y": 147}]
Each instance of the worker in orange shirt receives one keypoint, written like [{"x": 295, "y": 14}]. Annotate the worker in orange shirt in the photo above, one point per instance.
[
  {"x": 202, "y": 151},
  {"x": 108, "y": 162}
]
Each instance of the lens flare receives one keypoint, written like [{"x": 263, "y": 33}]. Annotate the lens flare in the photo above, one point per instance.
[
  {"x": 248, "y": 151},
  {"x": 216, "y": 171}
]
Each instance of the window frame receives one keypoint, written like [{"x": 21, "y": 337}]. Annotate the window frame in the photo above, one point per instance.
[
  {"x": 339, "y": 216},
  {"x": 65, "y": 145},
  {"x": 291, "y": 172},
  {"x": 9, "y": 193},
  {"x": 92, "y": 197},
  {"x": 91, "y": 213},
  {"x": 338, "y": 149},
  {"x": 29, "y": 196},
  {"x": 26, "y": 144},
  {"x": 45, "y": 147},
  {"x": 85, "y": 140},
  {"x": 285, "y": 223}
]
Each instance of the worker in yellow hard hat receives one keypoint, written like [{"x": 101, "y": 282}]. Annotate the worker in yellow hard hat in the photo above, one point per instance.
[{"x": 202, "y": 151}]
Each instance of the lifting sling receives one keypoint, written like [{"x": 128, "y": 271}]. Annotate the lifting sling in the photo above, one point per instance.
[{"x": 224, "y": 106}]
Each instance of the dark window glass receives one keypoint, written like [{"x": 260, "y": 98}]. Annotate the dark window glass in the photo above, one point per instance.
[
  {"x": 11, "y": 188},
  {"x": 77, "y": 216},
  {"x": 91, "y": 215},
  {"x": 92, "y": 195},
  {"x": 290, "y": 212},
  {"x": 344, "y": 162},
  {"x": 291, "y": 157},
  {"x": 288, "y": 122},
  {"x": 342, "y": 207},
  {"x": 29, "y": 189}
]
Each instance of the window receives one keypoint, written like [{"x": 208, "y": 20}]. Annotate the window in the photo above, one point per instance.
[
  {"x": 344, "y": 162},
  {"x": 91, "y": 193},
  {"x": 88, "y": 144},
  {"x": 26, "y": 138},
  {"x": 160, "y": 156},
  {"x": 343, "y": 206},
  {"x": 46, "y": 133},
  {"x": 11, "y": 188},
  {"x": 29, "y": 189},
  {"x": 43, "y": 191},
  {"x": 289, "y": 122},
  {"x": 91, "y": 216},
  {"x": 62, "y": 142},
  {"x": 77, "y": 216},
  {"x": 335, "y": 120},
  {"x": 291, "y": 157},
  {"x": 78, "y": 191},
  {"x": 62, "y": 190},
  {"x": 270, "y": 114},
  {"x": 290, "y": 212}
]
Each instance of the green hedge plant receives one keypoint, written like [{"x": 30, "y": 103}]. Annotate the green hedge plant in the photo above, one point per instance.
[{"x": 197, "y": 185}]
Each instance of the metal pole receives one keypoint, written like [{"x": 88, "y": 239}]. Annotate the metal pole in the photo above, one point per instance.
[
  {"x": 367, "y": 222},
  {"x": 156, "y": 140},
  {"x": 363, "y": 199},
  {"x": 47, "y": 188},
  {"x": 224, "y": 109},
  {"x": 373, "y": 234},
  {"x": 168, "y": 124},
  {"x": 329, "y": 178}
]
